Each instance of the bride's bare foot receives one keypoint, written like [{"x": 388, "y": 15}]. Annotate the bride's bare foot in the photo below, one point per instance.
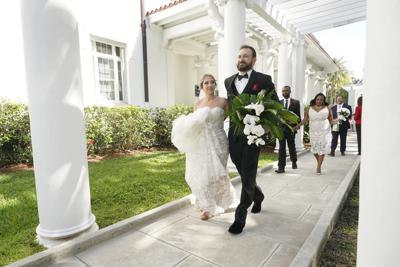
[{"x": 205, "y": 216}]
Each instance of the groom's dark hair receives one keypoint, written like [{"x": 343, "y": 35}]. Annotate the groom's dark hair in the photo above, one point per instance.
[{"x": 249, "y": 47}]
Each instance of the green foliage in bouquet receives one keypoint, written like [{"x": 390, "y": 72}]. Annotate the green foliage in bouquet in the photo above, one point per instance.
[{"x": 273, "y": 118}]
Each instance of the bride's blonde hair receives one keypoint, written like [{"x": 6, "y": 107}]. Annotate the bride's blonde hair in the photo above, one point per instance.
[{"x": 204, "y": 77}]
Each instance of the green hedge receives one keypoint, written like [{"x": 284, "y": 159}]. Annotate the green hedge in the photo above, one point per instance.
[
  {"x": 15, "y": 137},
  {"x": 107, "y": 129}
]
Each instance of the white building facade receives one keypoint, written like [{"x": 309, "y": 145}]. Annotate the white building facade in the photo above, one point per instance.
[
  {"x": 185, "y": 39},
  {"x": 110, "y": 48}
]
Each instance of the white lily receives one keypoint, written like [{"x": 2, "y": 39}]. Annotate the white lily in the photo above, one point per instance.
[
  {"x": 250, "y": 119},
  {"x": 251, "y": 139},
  {"x": 259, "y": 108},
  {"x": 260, "y": 141},
  {"x": 345, "y": 112},
  {"x": 248, "y": 128},
  {"x": 258, "y": 130}
]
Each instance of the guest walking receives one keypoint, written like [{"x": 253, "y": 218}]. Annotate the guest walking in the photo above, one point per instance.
[
  {"x": 293, "y": 105},
  {"x": 344, "y": 125},
  {"x": 357, "y": 119},
  {"x": 319, "y": 117}
]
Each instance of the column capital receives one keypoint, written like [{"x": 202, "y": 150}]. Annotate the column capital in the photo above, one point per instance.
[
  {"x": 265, "y": 45},
  {"x": 284, "y": 39},
  {"x": 320, "y": 75},
  {"x": 309, "y": 71},
  {"x": 216, "y": 17},
  {"x": 221, "y": 3},
  {"x": 269, "y": 52},
  {"x": 202, "y": 62},
  {"x": 299, "y": 42}
]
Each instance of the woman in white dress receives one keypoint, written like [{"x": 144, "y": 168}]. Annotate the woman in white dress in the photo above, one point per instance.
[
  {"x": 319, "y": 117},
  {"x": 202, "y": 137}
]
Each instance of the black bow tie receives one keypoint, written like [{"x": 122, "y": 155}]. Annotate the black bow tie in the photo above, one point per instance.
[{"x": 243, "y": 76}]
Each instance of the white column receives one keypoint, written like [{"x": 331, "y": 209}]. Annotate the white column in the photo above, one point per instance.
[
  {"x": 325, "y": 85},
  {"x": 268, "y": 56},
  {"x": 221, "y": 66},
  {"x": 284, "y": 64},
  {"x": 218, "y": 27},
  {"x": 379, "y": 220},
  {"x": 298, "y": 83},
  {"x": 234, "y": 33},
  {"x": 310, "y": 74},
  {"x": 53, "y": 72},
  {"x": 352, "y": 101},
  {"x": 319, "y": 83}
]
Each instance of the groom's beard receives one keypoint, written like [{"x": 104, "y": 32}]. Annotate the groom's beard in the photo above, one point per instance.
[{"x": 243, "y": 66}]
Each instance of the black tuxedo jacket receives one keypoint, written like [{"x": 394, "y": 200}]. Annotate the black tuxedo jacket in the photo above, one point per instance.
[
  {"x": 257, "y": 82},
  {"x": 345, "y": 123},
  {"x": 293, "y": 107}
]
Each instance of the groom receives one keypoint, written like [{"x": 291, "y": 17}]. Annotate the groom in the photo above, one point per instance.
[{"x": 244, "y": 156}]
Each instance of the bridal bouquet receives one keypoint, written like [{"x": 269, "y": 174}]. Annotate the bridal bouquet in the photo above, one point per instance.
[
  {"x": 256, "y": 115},
  {"x": 343, "y": 114}
]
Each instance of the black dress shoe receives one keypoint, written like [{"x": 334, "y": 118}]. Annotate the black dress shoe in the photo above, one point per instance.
[
  {"x": 236, "y": 228},
  {"x": 294, "y": 165},
  {"x": 257, "y": 205},
  {"x": 279, "y": 170},
  {"x": 343, "y": 154},
  {"x": 332, "y": 154}
]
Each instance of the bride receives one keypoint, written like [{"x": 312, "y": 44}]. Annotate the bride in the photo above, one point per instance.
[{"x": 202, "y": 137}]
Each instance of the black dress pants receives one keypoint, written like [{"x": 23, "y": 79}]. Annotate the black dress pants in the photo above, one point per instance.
[
  {"x": 343, "y": 136},
  {"x": 245, "y": 158},
  {"x": 358, "y": 129},
  {"x": 289, "y": 138}
]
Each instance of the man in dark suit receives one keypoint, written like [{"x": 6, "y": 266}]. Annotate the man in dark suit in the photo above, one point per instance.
[
  {"x": 289, "y": 136},
  {"x": 343, "y": 127},
  {"x": 244, "y": 156}
]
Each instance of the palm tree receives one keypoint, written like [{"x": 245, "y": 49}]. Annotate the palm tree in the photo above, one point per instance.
[{"x": 338, "y": 79}]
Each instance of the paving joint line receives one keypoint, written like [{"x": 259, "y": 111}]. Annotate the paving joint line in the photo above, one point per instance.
[{"x": 272, "y": 254}]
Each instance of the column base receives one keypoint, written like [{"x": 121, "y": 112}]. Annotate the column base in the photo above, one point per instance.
[{"x": 51, "y": 242}]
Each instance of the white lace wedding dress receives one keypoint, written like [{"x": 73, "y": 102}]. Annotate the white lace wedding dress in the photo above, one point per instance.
[
  {"x": 201, "y": 136},
  {"x": 320, "y": 131}
]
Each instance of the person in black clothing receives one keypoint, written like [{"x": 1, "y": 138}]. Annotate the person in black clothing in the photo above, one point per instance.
[
  {"x": 343, "y": 126},
  {"x": 289, "y": 136},
  {"x": 244, "y": 156}
]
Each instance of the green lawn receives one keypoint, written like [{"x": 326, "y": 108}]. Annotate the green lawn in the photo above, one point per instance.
[
  {"x": 341, "y": 248},
  {"x": 120, "y": 188},
  {"x": 266, "y": 158}
]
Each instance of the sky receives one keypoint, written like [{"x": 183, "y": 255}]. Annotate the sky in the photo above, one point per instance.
[{"x": 348, "y": 42}]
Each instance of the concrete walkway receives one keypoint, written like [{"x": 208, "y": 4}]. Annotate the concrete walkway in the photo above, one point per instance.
[{"x": 296, "y": 218}]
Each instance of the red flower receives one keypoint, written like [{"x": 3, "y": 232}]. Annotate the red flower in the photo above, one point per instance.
[{"x": 255, "y": 87}]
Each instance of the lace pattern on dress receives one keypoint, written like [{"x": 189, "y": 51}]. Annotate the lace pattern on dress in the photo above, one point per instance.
[
  {"x": 320, "y": 131},
  {"x": 201, "y": 136}
]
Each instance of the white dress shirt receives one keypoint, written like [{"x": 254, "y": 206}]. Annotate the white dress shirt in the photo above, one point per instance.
[
  {"x": 339, "y": 107},
  {"x": 240, "y": 85},
  {"x": 288, "y": 102}
]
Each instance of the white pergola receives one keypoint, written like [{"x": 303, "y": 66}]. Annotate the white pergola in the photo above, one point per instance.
[{"x": 55, "y": 91}]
